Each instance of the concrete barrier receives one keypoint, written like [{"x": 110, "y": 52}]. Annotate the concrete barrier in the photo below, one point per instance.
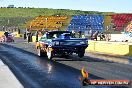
[
  {"x": 34, "y": 38},
  {"x": 115, "y": 48},
  {"x": 16, "y": 34},
  {"x": 1, "y": 33},
  {"x": 7, "y": 78}
]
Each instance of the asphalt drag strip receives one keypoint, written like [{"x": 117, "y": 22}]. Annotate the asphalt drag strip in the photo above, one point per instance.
[{"x": 36, "y": 72}]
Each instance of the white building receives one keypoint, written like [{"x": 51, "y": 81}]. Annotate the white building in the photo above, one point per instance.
[{"x": 10, "y": 6}]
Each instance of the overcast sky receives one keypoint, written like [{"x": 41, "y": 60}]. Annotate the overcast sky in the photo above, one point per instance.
[{"x": 120, "y": 6}]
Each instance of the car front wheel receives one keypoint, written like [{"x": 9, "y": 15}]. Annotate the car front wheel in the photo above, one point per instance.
[
  {"x": 49, "y": 54},
  {"x": 39, "y": 52}
]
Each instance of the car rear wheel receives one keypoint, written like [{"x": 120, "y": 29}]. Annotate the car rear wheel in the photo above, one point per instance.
[
  {"x": 81, "y": 55},
  {"x": 40, "y": 53}
]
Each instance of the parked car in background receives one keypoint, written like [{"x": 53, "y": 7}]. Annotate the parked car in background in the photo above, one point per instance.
[
  {"x": 2, "y": 38},
  {"x": 61, "y": 43},
  {"x": 10, "y": 37}
]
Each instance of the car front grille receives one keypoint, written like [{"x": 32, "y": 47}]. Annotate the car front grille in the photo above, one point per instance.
[{"x": 70, "y": 43}]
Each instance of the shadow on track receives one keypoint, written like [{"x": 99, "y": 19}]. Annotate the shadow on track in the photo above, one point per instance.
[{"x": 85, "y": 58}]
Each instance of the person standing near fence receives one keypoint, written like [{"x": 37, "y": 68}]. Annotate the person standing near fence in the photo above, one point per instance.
[
  {"x": 25, "y": 35},
  {"x": 36, "y": 36},
  {"x": 29, "y": 36}
]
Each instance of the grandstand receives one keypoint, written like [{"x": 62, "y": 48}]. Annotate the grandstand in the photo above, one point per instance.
[
  {"x": 87, "y": 22},
  {"x": 114, "y": 23},
  {"x": 48, "y": 22},
  {"x": 121, "y": 20}
]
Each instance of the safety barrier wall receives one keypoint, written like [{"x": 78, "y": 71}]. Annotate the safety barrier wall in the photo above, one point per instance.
[{"x": 115, "y": 48}]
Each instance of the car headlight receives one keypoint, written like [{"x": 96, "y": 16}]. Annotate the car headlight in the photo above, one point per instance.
[
  {"x": 56, "y": 43},
  {"x": 86, "y": 41},
  {"x": 82, "y": 42}
]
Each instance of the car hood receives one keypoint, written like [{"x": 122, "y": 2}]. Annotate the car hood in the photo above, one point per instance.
[{"x": 72, "y": 39}]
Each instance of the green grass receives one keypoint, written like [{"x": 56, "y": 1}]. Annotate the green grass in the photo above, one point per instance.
[
  {"x": 14, "y": 21},
  {"x": 32, "y": 12},
  {"x": 20, "y": 16}
]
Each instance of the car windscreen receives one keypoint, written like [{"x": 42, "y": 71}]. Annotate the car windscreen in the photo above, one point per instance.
[{"x": 58, "y": 35}]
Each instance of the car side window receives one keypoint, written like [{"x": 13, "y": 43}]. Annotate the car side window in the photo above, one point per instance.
[
  {"x": 43, "y": 37},
  {"x": 50, "y": 36},
  {"x": 55, "y": 36}
]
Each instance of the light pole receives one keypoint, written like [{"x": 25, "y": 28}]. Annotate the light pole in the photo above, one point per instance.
[
  {"x": 8, "y": 21},
  {"x": 46, "y": 22}
]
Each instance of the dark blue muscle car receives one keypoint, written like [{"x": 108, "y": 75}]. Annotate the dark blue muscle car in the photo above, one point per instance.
[{"x": 61, "y": 43}]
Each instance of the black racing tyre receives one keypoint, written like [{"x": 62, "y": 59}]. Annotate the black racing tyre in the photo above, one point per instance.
[
  {"x": 40, "y": 53},
  {"x": 81, "y": 55}
]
